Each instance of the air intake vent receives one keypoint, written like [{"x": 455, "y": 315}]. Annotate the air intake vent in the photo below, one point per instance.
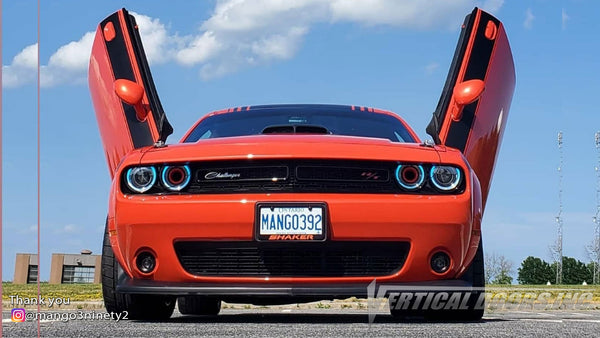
[{"x": 263, "y": 259}]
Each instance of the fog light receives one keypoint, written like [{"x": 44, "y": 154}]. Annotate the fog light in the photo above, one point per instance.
[
  {"x": 440, "y": 262},
  {"x": 145, "y": 262}
]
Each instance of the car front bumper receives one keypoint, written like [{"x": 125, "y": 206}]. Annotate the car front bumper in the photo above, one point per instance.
[{"x": 428, "y": 223}]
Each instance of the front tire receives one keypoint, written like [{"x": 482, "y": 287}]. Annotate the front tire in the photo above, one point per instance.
[
  {"x": 131, "y": 306},
  {"x": 198, "y": 306}
]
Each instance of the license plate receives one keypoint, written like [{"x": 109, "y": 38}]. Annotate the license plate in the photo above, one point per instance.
[{"x": 295, "y": 222}]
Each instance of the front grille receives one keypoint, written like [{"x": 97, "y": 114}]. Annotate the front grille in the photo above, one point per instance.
[
  {"x": 292, "y": 259},
  {"x": 342, "y": 174},
  {"x": 333, "y": 176}
]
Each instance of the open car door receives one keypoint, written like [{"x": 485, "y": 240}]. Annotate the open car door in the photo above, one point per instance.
[
  {"x": 128, "y": 109},
  {"x": 474, "y": 105}
]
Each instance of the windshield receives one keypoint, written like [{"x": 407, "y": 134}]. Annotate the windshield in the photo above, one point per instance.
[{"x": 332, "y": 121}]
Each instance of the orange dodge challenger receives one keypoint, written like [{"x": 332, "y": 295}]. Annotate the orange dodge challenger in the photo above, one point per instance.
[{"x": 279, "y": 204}]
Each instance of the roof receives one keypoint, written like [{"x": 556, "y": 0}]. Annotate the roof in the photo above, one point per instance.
[{"x": 303, "y": 107}]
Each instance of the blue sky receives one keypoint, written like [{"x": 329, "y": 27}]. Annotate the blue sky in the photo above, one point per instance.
[{"x": 208, "y": 55}]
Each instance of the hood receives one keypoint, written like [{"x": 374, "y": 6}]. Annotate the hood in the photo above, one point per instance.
[{"x": 292, "y": 146}]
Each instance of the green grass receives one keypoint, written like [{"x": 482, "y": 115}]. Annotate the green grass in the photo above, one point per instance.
[
  {"x": 544, "y": 286},
  {"x": 594, "y": 289},
  {"x": 73, "y": 292},
  {"x": 323, "y": 306},
  {"x": 555, "y": 291}
]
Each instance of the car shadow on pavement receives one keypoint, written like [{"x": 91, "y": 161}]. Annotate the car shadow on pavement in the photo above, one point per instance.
[{"x": 311, "y": 318}]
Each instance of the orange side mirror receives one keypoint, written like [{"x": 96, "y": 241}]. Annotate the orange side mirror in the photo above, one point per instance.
[
  {"x": 466, "y": 93},
  {"x": 131, "y": 93}
]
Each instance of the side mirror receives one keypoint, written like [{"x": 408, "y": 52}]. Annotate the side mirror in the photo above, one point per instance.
[
  {"x": 466, "y": 93},
  {"x": 132, "y": 94},
  {"x": 129, "y": 91}
]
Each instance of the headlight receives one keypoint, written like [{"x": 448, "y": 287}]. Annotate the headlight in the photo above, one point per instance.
[
  {"x": 176, "y": 178},
  {"x": 141, "y": 179},
  {"x": 445, "y": 178},
  {"x": 410, "y": 177}
]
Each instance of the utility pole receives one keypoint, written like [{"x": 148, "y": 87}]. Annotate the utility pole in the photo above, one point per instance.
[
  {"x": 596, "y": 242},
  {"x": 559, "y": 220}
]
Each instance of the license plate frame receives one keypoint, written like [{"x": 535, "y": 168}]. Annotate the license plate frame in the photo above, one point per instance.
[{"x": 296, "y": 237}]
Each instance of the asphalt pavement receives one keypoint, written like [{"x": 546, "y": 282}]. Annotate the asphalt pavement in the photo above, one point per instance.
[{"x": 276, "y": 322}]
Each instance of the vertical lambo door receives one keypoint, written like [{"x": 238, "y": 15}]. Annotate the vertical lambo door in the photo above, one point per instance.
[
  {"x": 474, "y": 104},
  {"x": 130, "y": 116},
  {"x": 128, "y": 109},
  {"x": 472, "y": 112}
]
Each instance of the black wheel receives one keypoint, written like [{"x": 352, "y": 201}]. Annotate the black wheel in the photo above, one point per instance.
[
  {"x": 144, "y": 307},
  {"x": 199, "y": 305},
  {"x": 475, "y": 306}
]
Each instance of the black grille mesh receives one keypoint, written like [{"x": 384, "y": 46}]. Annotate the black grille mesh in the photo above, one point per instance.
[
  {"x": 292, "y": 259},
  {"x": 334, "y": 176}
]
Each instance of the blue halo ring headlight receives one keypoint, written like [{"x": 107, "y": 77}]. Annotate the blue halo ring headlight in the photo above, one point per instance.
[
  {"x": 141, "y": 179},
  {"x": 176, "y": 178},
  {"x": 409, "y": 176},
  {"x": 445, "y": 178}
]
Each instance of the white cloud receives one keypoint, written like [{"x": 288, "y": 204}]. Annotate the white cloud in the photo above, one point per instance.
[
  {"x": 20, "y": 229},
  {"x": 244, "y": 33},
  {"x": 492, "y": 6},
  {"x": 27, "y": 58},
  {"x": 32, "y": 229},
  {"x": 69, "y": 56},
  {"x": 159, "y": 46},
  {"x": 201, "y": 49},
  {"x": 23, "y": 68},
  {"x": 432, "y": 67},
  {"x": 69, "y": 63},
  {"x": 411, "y": 14},
  {"x": 279, "y": 46},
  {"x": 67, "y": 229},
  {"x": 564, "y": 17},
  {"x": 529, "y": 17}
]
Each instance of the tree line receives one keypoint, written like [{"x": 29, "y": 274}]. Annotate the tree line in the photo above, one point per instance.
[{"x": 534, "y": 270}]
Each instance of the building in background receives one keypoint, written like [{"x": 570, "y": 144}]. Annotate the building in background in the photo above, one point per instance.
[
  {"x": 64, "y": 269},
  {"x": 26, "y": 268},
  {"x": 72, "y": 268}
]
